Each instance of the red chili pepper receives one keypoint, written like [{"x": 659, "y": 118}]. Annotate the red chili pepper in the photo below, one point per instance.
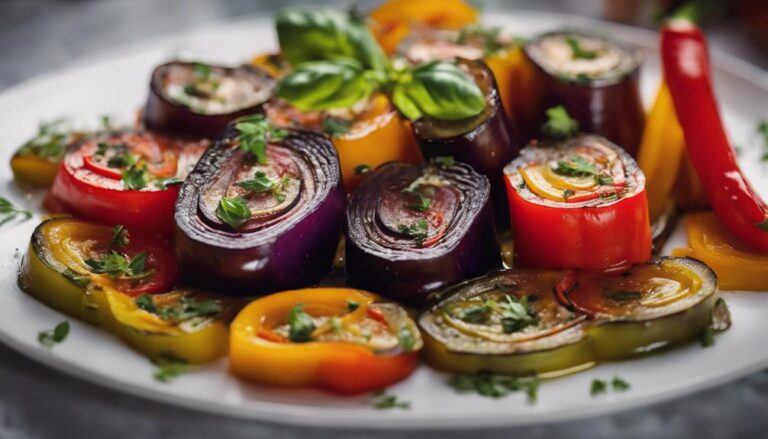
[{"x": 688, "y": 74}]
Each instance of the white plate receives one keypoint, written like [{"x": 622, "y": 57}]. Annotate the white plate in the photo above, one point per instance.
[{"x": 116, "y": 83}]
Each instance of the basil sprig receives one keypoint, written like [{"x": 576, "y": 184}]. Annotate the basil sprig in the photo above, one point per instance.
[
  {"x": 307, "y": 35},
  {"x": 438, "y": 89},
  {"x": 324, "y": 85},
  {"x": 337, "y": 63}
]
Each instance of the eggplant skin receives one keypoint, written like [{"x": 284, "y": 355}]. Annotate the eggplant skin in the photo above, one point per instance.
[
  {"x": 468, "y": 249},
  {"x": 294, "y": 253},
  {"x": 486, "y": 142},
  {"x": 163, "y": 115},
  {"x": 611, "y": 107}
]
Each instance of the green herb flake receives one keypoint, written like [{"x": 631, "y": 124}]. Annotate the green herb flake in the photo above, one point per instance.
[
  {"x": 516, "y": 314},
  {"x": 255, "y": 132},
  {"x": 567, "y": 193},
  {"x": 598, "y": 387},
  {"x": 362, "y": 169},
  {"x": 559, "y": 124},
  {"x": 406, "y": 339},
  {"x": 422, "y": 204},
  {"x": 352, "y": 305},
  {"x": 495, "y": 386},
  {"x": 120, "y": 237},
  {"x": 135, "y": 177},
  {"x": 445, "y": 161},
  {"x": 300, "y": 325},
  {"x": 169, "y": 366},
  {"x": 146, "y": 303},
  {"x": 75, "y": 278},
  {"x": 259, "y": 183},
  {"x": 578, "y": 52},
  {"x": 188, "y": 308},
  {"x": 417, "y": 232},
  {"x": 9, "y": 211},
  {"x": 619, "y": 384},
  {"x": 202, "y": 71},
  {"x": 52, "y": 337},
  {"x": 383, "y": 401},
  {"x": 233, "y": 211},
  {"x": 116, "y": 265},
  {"x": 478, "y": 313},
  {"x": 334, "y": 126}
]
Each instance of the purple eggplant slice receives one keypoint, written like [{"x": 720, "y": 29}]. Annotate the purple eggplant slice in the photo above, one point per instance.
[
  {"x": 485, "y": 141},
  {"x": 414, "y": 229},
  {"x": 595, "y": 79},
  {"x": 290, "y": 204},
  {"x": 199, "y": 100}
]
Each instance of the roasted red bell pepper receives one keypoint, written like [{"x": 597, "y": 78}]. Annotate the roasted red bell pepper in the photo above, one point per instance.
[
  {"x": 130, "y": 178},
  {"x": 580, "y": 203},
  {"x": 688, "y": 74}
]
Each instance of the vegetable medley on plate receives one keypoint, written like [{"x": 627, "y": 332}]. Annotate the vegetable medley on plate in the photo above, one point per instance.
[{"x": 399, "y": 187}]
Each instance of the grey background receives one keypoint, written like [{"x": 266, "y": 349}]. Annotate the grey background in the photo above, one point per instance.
[{"x": 37, "y": 402}]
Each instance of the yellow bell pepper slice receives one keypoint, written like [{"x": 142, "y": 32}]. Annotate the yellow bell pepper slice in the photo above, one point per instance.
[
  {"x": 661, "y": 152},
  {"x": 737, "y": 266},
  {"x": 344, "y": 363}
]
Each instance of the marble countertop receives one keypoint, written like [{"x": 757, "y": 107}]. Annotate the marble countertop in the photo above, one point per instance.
[{"x": 37, "y": 402}]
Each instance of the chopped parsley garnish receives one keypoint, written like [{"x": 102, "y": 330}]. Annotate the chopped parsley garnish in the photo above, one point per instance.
[
  {"x": 516, "y": 314},
  {"x": 598, "y": 387},
  {"x": 578, "y": 52},
  {"x": 489, "y": 36},
  {"x": 135, "y": 177},
  {"x": 619, "y": 384},
  {"x": 233, "y": 211},
  {"x": 478, "y": 313},
  {"x": 613, "y": 196},
  {"x": 118, "y": 266},
  {"x": 352, "y": 305},
  {"x": 185, "y": 309},
  {"x": 567, "y": 193},
  {"x": 559, "y": 124},
  {"x": 9, "y": 211},
  {"x": 300, "y": 324},
  {"x": 625, "y": 296},
  {"x": 575, "y": 166},
  {"x": 121, "y": 160},
  {"x": 51, "y": 140},
  {"x": 417, "y": 231},
  {"x": 202, "y": 71},
  {"x": 604, "y": 180},
  {"x": 422, "y": 204},
  {"x": 120, "y": 237},
  {"x": 255, "y": 132},
  {"x": 261, "y": 183},
  {"x": 362, "y": 169},
  {"x": 146, "y": 303},
  {"x": 495, "y": 386},
  {"x": 406, "y": 339},
  {"x": 169, "y": 366},
  {"x": 57, "y": 335},
  {"x": 383, "y": 401},
  {"x": 445, "y": 161},
  {"x": 334, "y": 126}
]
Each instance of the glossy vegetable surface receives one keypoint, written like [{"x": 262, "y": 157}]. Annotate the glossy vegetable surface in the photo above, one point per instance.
[
  {"x": 127, "y": 177},
  {"x": 688, "y": 73},
  {"x": 291, "y": 206},
  {"x": 523, "y": 322},
  {"x": 337, "y": 339},
  {"x": 578, "y": 204},
  {"x": 364, "y": 136},
  {"x": 36, "y": 162},
  {"x": 199, "y": 100},
  {"x": 58, "y": 270},
  {"x": 595, "y": 79},
  {"x": 413, "y": 229},
  {"x": 738, "y": 267},
  {"x": 394, "y": 20},
  {"x": 485, "y": 141}
]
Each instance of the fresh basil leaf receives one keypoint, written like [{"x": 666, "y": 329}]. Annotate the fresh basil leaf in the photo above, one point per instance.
[
  {"x": 324, "y": 85},
  {"x": 314, "y": 35},
  {"x": 438, "y": 89}
]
